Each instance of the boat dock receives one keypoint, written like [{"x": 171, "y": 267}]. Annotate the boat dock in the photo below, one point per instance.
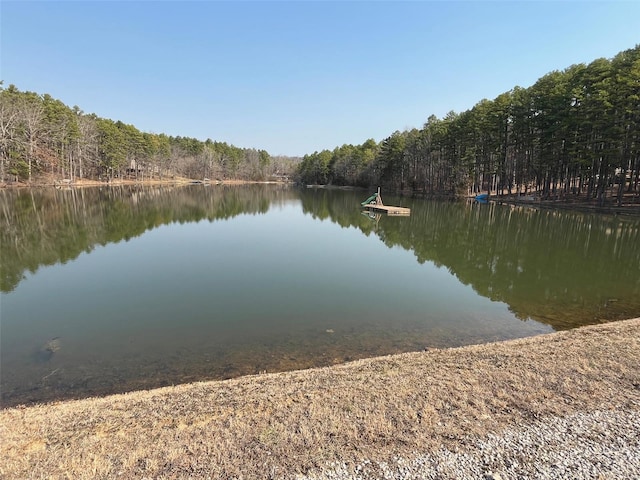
[
  {"x": 374, "y": 204},
  {"x": 389, "y": 210}
]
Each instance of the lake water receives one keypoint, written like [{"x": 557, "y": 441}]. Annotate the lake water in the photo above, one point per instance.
[{"x": 113, "y": 289}]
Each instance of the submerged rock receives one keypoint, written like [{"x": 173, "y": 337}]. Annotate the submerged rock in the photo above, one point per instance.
[{"x": 48, "y": 349}]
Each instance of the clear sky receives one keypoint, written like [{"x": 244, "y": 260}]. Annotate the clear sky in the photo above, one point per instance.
[{"x": 296, "y": 77}]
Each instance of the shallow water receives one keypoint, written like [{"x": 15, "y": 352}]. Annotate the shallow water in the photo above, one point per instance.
[{"x": 155, "y": 286}]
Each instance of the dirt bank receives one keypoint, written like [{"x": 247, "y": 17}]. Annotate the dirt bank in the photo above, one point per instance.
[{"x": 363, "y": 413}]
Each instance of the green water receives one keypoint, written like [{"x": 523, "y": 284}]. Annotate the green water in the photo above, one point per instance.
[{"x": 145, "y": 287}]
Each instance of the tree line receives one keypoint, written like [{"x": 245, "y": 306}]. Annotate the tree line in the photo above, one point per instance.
[
  {"x": 574, "y": 132},
  {"x": 42, "y": 136}
]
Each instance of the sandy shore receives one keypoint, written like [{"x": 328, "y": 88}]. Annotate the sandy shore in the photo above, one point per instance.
[{"x": 488, "y": 411}]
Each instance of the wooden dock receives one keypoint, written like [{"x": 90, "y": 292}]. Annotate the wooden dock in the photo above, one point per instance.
[
  {"x": 389, "y": 210},
  {"x": 374, "y": 204}
]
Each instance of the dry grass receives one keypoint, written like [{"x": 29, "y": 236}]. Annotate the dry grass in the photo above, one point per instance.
[{"x": 277, "y": 425}]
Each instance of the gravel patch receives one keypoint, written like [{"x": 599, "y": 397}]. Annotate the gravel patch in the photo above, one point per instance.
[{"x": 593, "y": 445}]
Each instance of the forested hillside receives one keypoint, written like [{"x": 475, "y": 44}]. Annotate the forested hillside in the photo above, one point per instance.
[
  {"x": 41, "y": 136},
  {"x": 575, "y": 132}
]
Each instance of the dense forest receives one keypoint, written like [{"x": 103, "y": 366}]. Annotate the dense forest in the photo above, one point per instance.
[
  {"x": 41, "y": 137},
  {"x": 575, "y": 132}
]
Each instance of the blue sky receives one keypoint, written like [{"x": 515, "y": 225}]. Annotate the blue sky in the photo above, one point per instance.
[{"x": 296, "y": 77}]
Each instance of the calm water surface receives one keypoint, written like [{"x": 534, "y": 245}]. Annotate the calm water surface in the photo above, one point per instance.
[{"x": 114, "y": 289}]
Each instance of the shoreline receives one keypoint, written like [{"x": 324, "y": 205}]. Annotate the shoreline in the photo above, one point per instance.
[
  {"x": 631, "y": 208},
  {"x": 144, "y": 183},
  {"x": 345, "y": 419}
]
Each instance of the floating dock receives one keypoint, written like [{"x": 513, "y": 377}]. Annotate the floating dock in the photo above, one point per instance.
[
  {"x": 374, "y": 204},
  {"x": 391, "y": 211}
]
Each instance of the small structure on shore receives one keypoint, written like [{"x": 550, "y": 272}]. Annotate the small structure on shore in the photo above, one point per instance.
[{"x": 374, "y": 204}]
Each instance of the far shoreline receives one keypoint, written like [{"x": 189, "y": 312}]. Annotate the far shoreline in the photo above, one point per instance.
[
  {"x": 631, "y": 205},
  {"x": 180, "y": 181}
]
